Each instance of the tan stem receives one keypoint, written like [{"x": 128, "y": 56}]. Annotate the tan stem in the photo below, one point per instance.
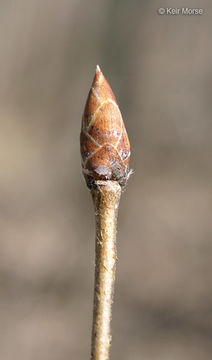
[{"x": 106, "y": 198}]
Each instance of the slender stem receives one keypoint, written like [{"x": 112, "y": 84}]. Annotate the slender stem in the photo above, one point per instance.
[{"x": 106, "y": 196}]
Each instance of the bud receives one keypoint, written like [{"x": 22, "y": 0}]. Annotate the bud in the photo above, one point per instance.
[{"x": 105, "y": 147}]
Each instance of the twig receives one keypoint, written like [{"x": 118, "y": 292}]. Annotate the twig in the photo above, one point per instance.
[
  {"x": 105, "y": 151},
  {"x": 106, "y": 201}
]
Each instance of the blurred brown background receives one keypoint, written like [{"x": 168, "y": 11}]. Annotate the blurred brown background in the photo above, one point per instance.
[{"x": 160, "y": 70}]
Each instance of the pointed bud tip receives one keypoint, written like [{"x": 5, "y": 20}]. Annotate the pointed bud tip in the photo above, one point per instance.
[
  {"x": 98, "y": 69},
  {"x": 97, "y": 77}
]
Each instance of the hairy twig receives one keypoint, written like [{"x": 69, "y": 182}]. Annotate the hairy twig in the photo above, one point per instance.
[{"x": 106, "y": 198}]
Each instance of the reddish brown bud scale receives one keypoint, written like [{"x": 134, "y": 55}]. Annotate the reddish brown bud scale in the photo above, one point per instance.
[{"x": 105, "y": 147}]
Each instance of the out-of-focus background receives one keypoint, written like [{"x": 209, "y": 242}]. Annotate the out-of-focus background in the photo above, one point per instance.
[{"x": 160, "y": 70}]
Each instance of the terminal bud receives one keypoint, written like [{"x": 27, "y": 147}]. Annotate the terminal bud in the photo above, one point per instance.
[{"x": 105, "y": 147}]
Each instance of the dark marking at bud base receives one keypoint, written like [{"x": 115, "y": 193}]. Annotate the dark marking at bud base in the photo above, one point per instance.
[{"x": 105, "y": 147}]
